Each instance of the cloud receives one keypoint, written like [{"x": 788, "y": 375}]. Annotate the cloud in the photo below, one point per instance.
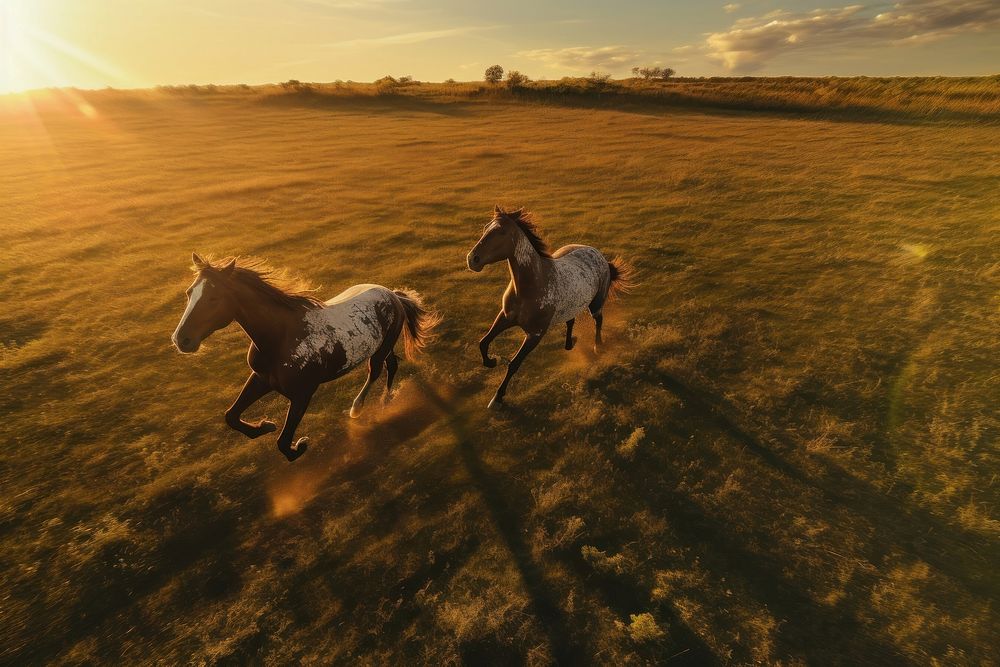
[
  {"x": 580, "y": 58},
  {"x": 350, "y": 4},
  {"x": 732, "y": 7},
  {"x": 750, "y": 42},
  {"x": 410, "y": 37}
]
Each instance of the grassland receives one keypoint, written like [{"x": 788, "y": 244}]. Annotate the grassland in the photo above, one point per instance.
[{"x": 786, "y": 454}]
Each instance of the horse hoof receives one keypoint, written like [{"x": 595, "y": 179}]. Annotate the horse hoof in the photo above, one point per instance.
[
  {"x": 490, "y": 363},
  {"x": 297, "y": 450},
  {"x": 495, "y": 404},
  {"x": 355, "y": 412},
  {"x": 262, "y": 428},
  {"x": 571, "y": 343}
]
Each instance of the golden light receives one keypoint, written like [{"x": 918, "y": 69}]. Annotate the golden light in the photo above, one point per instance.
[
  {"x": 23, "y": 62},
  {"x": 32, "y": 57}
]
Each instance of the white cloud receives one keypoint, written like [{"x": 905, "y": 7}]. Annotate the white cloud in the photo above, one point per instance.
[
  {"x": 585, "y": 58},
  {"x": 415, "y": 37},
  {"x": 351, "y": 4},
  {"x": 732, "y": 7},
  {"x": 751, "y": 42}
]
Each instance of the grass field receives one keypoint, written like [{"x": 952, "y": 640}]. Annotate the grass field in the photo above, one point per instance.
[{"x": 787, "y": 452}]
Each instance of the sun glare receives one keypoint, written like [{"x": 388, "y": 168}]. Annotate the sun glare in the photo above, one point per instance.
[
  {"x": 15, "y": 47},
  {"x": 32, "y": 56}
]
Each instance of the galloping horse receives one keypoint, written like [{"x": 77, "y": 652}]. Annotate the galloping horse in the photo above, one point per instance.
[
  {"x": 297, "y": 341},
  {"x": 544, "y": 289}
]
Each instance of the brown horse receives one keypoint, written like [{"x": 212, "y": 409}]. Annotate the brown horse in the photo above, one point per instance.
[
  {"x": 544, "y": 289},
  {"x": 297, "y": 341}
]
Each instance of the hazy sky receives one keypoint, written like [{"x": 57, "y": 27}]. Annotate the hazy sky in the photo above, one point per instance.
[{"x": 133, "y": 43}]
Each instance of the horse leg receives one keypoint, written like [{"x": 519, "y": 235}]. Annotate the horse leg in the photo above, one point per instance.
[
  {"x": 530, "y": 343},
  {"x": 570, "y": 338},
  {"x": 255, "y": 388},
  {"x": 500, "y": 324},
  {"x": 296, "y": 410},
  {"x": 597, "y": 310},
  {"x": 391, "y": 365},
  {"x": 375, "y": 364}
]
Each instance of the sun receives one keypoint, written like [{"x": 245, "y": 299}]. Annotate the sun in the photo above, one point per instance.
[
  {"x": 16, "y": 50},
  {"x": 33, "y": 56}
]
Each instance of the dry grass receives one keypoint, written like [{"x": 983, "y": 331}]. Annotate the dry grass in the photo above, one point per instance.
[
  {"x": 968, "y": 98},
  {"x": 787, "y": 452}
]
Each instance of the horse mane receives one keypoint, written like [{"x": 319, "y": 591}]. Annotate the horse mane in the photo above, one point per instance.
[
  {"x": 258, "y": 277},
  {"x": 525, "y": 220}
]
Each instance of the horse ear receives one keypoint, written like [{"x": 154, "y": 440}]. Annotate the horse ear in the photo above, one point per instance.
[
  {"x": 497, "y": 210},
  {"x": 199, "y": 263},
  {"x": 230, "y": 265}
]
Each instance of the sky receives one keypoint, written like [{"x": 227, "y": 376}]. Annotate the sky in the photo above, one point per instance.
[{"x": 141, "y": 43}]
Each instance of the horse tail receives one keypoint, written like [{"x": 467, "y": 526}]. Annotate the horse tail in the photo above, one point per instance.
[
  {"x": 419, "y": 322},
  {"x": 622, "y": 277}
]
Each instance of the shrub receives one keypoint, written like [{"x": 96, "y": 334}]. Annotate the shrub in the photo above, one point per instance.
[
  {"x": 643, "y": 628},
  {"x": 494, "y": 73},
  {"x": 516, "y": 80},
  {"x": 603, "y": 563},
  {"x": 387, "y": 84},
  {"x": 600, "y": 78}
]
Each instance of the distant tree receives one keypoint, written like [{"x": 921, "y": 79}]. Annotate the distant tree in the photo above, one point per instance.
[
  {"x": 494, "y": 73},
  {"x": 516, "y": 80},
  {"x": 403, "y": 80},
  {"x": 449, "y": 81},
  {"x": 649, "y": 73}
]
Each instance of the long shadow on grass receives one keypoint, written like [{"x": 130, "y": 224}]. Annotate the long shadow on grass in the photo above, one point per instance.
[
  {"x": 544, "y": 600},
  {"x": 623, "y": 599},
  {"x": 392, "y": 430},
  {"x": 897, "y": 523},
  {"x": 808, "y": 628},
  {"x": 543, "y": 596},
  {"x": 123, "y": 571}
]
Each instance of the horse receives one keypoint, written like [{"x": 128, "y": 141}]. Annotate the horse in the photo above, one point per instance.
[
  {"x": 545, "y": 288},
  {"x": 297, "y": 341}
]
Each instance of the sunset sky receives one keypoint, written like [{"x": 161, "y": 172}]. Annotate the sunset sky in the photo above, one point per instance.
[{"x": 138, "y": 43}]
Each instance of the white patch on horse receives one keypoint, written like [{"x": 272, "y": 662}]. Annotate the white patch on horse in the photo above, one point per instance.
[
  {"x": 349, "y": 320},
  {"x": 578, "y": 278},
  {"x": 196, "y": 292}
]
